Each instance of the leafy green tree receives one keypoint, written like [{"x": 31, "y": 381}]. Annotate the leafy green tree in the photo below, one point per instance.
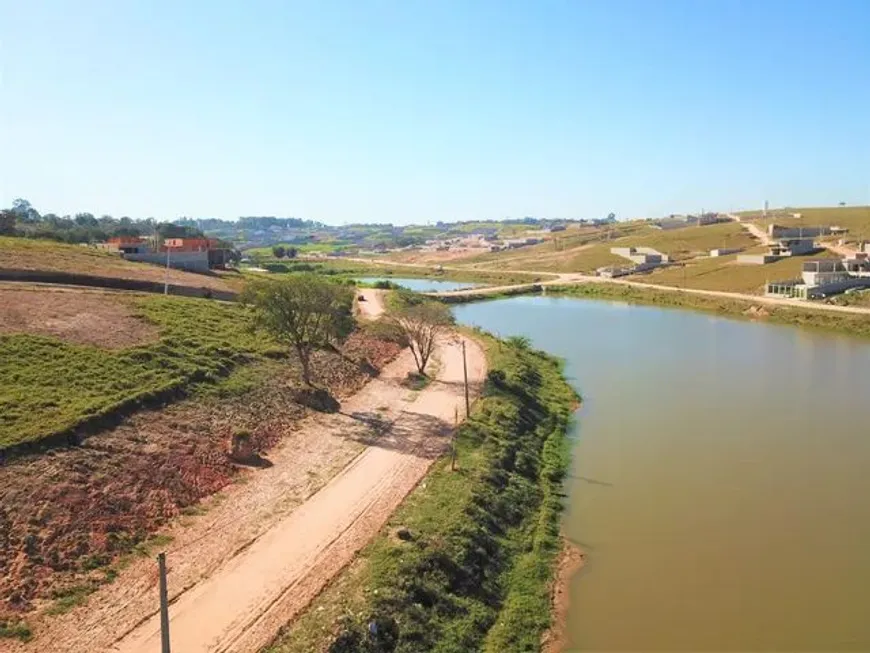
[
  {"x": 24, "y": 211},
  {"x": 422, "y": 321},
  {"x": 278, "y": 251},
  {"x": 86, "y": 220},
  {"x": 170, "y": 230},
  {"x": 292, "y": 252},
  {"x": 304, "y": 312},
  {"x": 7, "y": 222}
]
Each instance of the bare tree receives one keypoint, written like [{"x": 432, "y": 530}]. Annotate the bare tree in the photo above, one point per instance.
[
  {"x": 422, "y": 321},
  {"x": 303, "y": 311}
]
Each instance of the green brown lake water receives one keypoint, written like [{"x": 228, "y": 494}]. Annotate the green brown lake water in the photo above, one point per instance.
[{"x": 721, "y": 477}]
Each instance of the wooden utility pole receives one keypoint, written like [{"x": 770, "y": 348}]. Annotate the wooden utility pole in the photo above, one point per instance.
[
  {"x": 166, "y": 277},
  {"x": 164, "y": 605},
  {"x": 453, "y": 440},
  {"x": 465, "y": 373}
]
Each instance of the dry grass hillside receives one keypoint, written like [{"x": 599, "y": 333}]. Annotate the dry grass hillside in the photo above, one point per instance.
[
  {"x": 47, "y": 255},
  {"x": 724, "y": 273},
  {"x": 854, "y": 218},
  {"x": 592, "y": 250}
]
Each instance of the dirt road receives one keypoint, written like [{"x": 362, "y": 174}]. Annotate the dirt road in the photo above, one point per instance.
[
  {"x": 372, "y": 307},
  {"x": 260, "y": 555},
  {"x": 757, "y": 232}
]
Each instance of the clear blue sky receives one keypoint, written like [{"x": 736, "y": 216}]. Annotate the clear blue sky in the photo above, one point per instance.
[{"x": 414, "y": 111}]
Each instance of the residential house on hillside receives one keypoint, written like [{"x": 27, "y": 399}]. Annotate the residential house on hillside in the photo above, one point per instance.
[
  {"x": 782, "y": 248},
  {"x": 681, "y": 221},
  {"x": 824, "y": 277},
  {"x": 193, "y": 254},
  {"x": 644, "y": 258},
  {"x": 778, "y": 231}
]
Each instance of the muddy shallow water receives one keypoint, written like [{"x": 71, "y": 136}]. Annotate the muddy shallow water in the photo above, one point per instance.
[{"x": 721, "y": 477}]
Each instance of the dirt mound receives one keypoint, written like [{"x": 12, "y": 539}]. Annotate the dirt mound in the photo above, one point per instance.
[
  {"x": 66, "y": 514},
  {"x": 82, "y": 317},
  {"x": 756, "y": 312}
]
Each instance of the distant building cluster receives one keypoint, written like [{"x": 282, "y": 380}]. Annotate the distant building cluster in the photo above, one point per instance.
[
  {"x": 192, "y": 254},
  {"x": 826, "y": 277},
  {"x": 681, "y": 221}
]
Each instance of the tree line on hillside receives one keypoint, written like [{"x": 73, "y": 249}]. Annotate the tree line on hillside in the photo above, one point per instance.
[
  {"x": 279, "y": 251},
  {"x": 22, "y": 219},
  {"x": 306, "y": 312}
]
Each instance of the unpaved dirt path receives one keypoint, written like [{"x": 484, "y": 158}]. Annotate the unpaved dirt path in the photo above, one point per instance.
[
  {"x": 757, "y": 232},
  {"x": 372, "y": 307},
  {"x": 264, "y": 552}
]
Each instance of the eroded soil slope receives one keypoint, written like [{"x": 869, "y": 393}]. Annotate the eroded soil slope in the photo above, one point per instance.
[{"x": 67, "y": 515}]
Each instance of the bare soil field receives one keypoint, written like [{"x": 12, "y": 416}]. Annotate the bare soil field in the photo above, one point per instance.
[
  {"x": 87, "y": 318},
  {"x": 29, "y": 254},
  {"x": 71, "y": 517}
]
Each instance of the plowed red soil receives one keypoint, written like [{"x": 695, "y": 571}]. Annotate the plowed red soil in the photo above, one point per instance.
[
  {"x": 67, "y": 513},
  {"x": 89, "y": 318}
]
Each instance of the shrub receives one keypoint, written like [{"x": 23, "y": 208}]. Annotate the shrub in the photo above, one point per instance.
[{"x": 475, "y": 576}]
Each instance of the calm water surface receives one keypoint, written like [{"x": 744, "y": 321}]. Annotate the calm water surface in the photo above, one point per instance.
[
  {"x": 721, "y": 477},
  {"x": 423, "y": 285}
]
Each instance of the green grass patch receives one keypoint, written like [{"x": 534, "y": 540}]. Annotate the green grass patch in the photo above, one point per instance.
[
  {"x": 483, "y": 539},
  {"x": 416, "y": 381},
  {"x": 15, "y": 630},
  {"x": 351, "y": 270},
  {"x": 49, "y": 387},
  {"x": 71, "y": 597}
]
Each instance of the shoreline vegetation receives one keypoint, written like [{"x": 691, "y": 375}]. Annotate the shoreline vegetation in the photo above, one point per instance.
[
  {"x": 846, "y": 323},
  {"x": 851, "y": 324},
  {"x": 467, "y": 561},
  {"x": 355, "y": 268}
]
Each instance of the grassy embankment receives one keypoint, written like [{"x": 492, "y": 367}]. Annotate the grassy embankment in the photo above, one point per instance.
[
  {"x": 342, "y": 269},
  {"x": 474, "y": 570},
  {"x": 850, "y": 324},
  {"x": 51, "y": 256},
  {"x": 50, "y": 387},
  {"x": 301, "y": 248}
]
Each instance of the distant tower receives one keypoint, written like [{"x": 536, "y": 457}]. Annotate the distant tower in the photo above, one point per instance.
[{"x": 764, "y": 214}]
